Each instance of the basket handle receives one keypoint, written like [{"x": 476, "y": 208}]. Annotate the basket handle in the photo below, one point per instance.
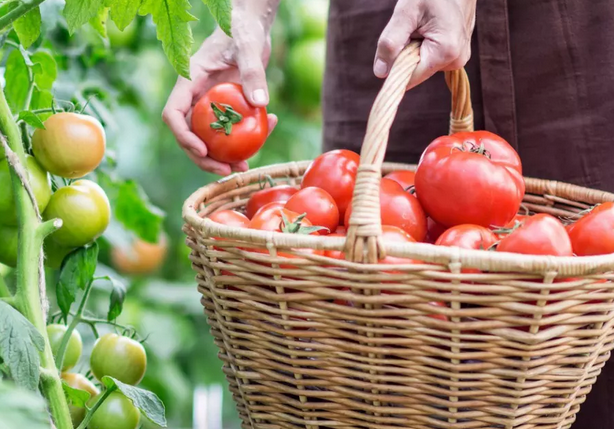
[{"x": 363, "y": 242}]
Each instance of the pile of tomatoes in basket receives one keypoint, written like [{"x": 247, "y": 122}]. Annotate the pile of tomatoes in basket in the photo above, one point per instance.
[{"x": 466, "y": 192}]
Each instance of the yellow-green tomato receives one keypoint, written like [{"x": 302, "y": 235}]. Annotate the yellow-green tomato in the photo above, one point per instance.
[
  {"x": 55, "y": 254},
  {"x": 85, "y": 212},
  {"x": 73, "y": 350},
  {"x": 39, "y": 181},
  {"x": 119, "y": 357},
  {"x": 78, "y": 381},
  {"x": 8, "y": 245},
  {"x": 71, "y": 145},
  {"x": 116, "y": 412}
]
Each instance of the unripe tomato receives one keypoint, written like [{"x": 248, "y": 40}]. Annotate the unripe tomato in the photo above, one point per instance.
[
  {"x": 73, "y": 350},
  {"x": 141, "y": 257},
  {"x": 116, "y": 412},
  {"x": 78, "y": 381},
  {"x": 233, "y": 130},
  {"x": 119, "y": 357},
  {"x": 306, "y": 62},
  {"x": 85, "y": 211},
  {"x": 313, "y": 15},
  {"x": 39, "y": 181},
  {"x": 71, "y": 145},
  {"x": 55, "y": 254},
  {"x": 8, "y": 245}
]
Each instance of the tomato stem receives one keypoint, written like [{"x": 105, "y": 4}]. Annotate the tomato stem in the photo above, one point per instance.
[
  {"x": 91, "y": 411},
  {"x": 4, "y": 289},
  {"x": 226, "y": 118},
  {"x": 23, "y": 8}
]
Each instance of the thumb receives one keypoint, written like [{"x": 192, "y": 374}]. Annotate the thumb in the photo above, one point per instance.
[{"x": 253, "y": 76}]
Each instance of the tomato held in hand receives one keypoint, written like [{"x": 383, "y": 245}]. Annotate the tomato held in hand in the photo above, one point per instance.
[
  {"x": 401, "y": 209},
  {"x": 73, "y": 349},
  {"x": 39, "y": 181},
  {"x": 470, "y": 178},
  {"x": 593, "y": 234},
  {"x": 119, "y": 357},
  {"x": 541, "y": 234},
  {"x": 280, "y": 193},
  {"x": 320, "y": 207},
  {"x": 232, "y": 129},
  {"x": 79, "y": 382},
  {"x": 405, "y": 178},
  {"x": 335, "y": 172},
  {"x": 116, "y": 412},
  {"x": 71, "y": 145}
]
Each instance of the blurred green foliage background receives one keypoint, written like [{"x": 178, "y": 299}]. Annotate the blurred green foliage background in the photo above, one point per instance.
[{"x": 130, "y": 79}]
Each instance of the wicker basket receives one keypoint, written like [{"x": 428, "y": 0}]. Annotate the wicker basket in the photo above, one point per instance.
[{"x": 315, "y": 344}]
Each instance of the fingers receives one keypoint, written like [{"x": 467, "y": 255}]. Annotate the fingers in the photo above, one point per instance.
[
  {"x": 272, "y": 122},
  {"x": 250, "y": 45},
  {"x": 211, "y": 165},
  {"x": 436, "y": 55}
]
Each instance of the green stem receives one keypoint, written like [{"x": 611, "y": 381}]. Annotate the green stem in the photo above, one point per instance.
[
  {"x": 4, "y": 289},
  {"x": 92, "y": 410},
  {"x": 9, "y": 300},
  {"x": 24, "y": 7},
  {"x": 28, "y": 297}
]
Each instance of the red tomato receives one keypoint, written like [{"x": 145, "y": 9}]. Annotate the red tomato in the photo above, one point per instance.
[
  {"x": 569, "y": 227},
  {"x": 335, "y": 254},
  {"x": 319, "y": 206},
  {"x": 541, "y": 234},
  {"x": 271, "y": 218},
  {"x": 405, "y": 178},
  {"x": 230, "y": 218},
  {"x": 468, "y": 237},
  {"x": 341, "y": 230},
  {"x": 470, "y": 178},
  {"x": 433, "y": 230},
  {"x": 281, "y": 194},
  {"x": 335, "y": 172},
  {"x": 232, "y": 129},
  {"x": 593, "y": 234},
  {"x": 399, "y": 208}
]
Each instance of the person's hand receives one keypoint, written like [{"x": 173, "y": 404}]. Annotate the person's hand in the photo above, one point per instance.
[
  {"x": 445, "y": 26},
  {"x": 241, "y": 59}
]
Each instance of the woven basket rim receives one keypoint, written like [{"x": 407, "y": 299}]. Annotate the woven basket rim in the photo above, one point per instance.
[{"x": 480, "y": 259}]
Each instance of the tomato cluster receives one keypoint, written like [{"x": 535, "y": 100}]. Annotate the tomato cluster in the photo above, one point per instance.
[{"x": 70, "y": 146}]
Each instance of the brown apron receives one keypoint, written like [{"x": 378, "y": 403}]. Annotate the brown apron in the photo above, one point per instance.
[{"x": 542, "y": 75}]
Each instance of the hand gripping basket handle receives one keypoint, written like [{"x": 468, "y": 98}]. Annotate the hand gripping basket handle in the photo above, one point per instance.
[{"x": 363, "y": 243}]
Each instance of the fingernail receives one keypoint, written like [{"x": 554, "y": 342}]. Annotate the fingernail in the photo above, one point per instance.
[
  {"x": 380, "y": 68},
  {"x": 259, "y": 96}
]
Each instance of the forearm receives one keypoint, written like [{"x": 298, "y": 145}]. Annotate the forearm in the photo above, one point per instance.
[{"x": 264, "y": 10}]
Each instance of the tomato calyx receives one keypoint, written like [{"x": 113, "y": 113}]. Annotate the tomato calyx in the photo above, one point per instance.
[
  {"x": 262, "y": 182},
  {"x": 468, "y": 146},
  {"x": 297, "y": 226},
  {"x": 225, "y": 119}
]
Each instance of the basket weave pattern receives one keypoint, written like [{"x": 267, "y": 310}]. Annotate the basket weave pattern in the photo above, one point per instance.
[{"x": 313, "y": 342}]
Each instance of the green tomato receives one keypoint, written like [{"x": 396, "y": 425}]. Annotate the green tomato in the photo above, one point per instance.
[
  {"x": 116, "y": 412},
  {"x": 78, "y": 381},
  {"x": 41, "y": 186},
  {"x": 306, "y": 71},
  {"x": 313, "y": 15},
  {"x": 55, "y": 254},
  {"x": 119, "y": 357},
  {"x": 73, "y": 350},
  {"x": 85, "y": 211},
  {"x": 8, "y": 245}
]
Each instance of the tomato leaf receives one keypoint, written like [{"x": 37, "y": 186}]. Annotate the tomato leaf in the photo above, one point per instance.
[
  {"x": 136, "y": 213},
  {"x": 118, "y": 294},
  {"x": 20, "y": 343},
  {"x": 77, "y": 271},
  {"x": 99, "y": 22},
  {"x": 28, "y": 27},
  {"x": 144, "y": 400},
  {"x": 47, "y": 70},
  {"x": 74, "y": 396},
  {"x": 31, "y": 119},
  {"x": 221, "y": 11},
  {"x": 17, "y": 80},
  {"x": 41, "y": 100},
  {"x": 123, "y": 11},
  {"x": 21, "y": 409},
  {"x": 78, "y": 12},
  {"x": 173, "y": 30}
]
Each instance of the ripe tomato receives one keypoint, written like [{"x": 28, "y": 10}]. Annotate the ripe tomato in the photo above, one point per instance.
[
  {"x": 335, "y": 254},
  {"x": 335, "y": 172},
  {"x": 470, "y": 178},
  {"x": 271, "y": 218},
  {"x": 141, "y": 257},
  {"x": 320, "y": 207},
  {"x": 85, "y": 211},
  {"x": 78, "y": 381},
  {"x": 593, "y": 234},
  {"x": 73, "y": 351},
  {"x": 405, "y": 178},
  {"x": 71, "y": 145},
  {"x": 281, "y": 193},
  {"x": 232, "y": 129},
  {"x": 8, "y": 248},
  {"x": 401, "y": 209},
  {"x": 468, "y": 237},
  {"x": 116, "y": 412},
  {"x": 541, "y": 234},
  {"x": 230, "y": 218},
  {"x": 119, "y": 357},
  {"x": 433, "y": 230},
  {"x": 39, "y": 181}
]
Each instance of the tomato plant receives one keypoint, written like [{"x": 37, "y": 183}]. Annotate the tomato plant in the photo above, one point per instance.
[
  {"x": 541, "y": 234},
  {"x": 119, "y": 357},
  {"x": 73, "y": 350},
  {"x": 318, "y": 205},
  {"x": 470, "y": 178},
  {"x": 593, "y": 233},
  {"x": 79, "y": 382},
  {"x": 116, "y": 412},
  {"x": 335, "y": 172},
  {"x": 232, "y": 129},
  {"x": 279, "y": 193}
]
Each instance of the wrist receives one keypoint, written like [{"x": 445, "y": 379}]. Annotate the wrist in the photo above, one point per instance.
[{"x": 264, "y": 10}]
